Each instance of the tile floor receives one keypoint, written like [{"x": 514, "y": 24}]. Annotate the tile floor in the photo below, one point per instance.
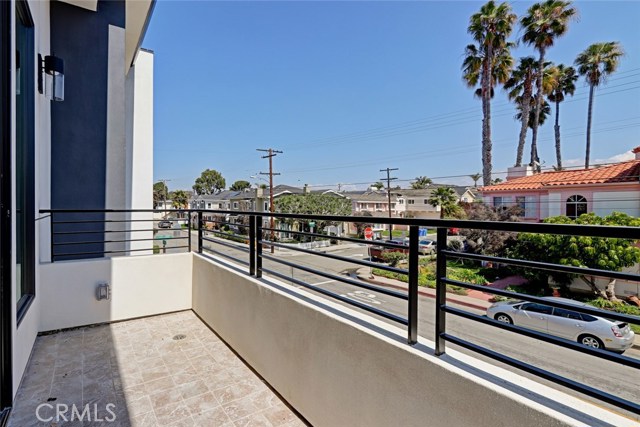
[{"x": 149, "y": 378}]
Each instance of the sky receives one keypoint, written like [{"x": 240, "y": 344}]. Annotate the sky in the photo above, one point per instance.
[{"x": 347, "y": 88}]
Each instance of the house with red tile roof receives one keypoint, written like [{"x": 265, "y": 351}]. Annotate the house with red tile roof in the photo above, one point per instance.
[{"x": 601, "y": 190}]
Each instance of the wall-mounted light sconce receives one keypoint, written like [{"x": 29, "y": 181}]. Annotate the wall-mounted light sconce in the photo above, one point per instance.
[{"x": 53, "y": 69}]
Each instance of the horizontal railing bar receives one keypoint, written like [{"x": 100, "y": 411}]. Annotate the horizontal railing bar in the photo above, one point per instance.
[
  {"x": 346, "y": 300},
  {"x": 222, "y": 254},
  {"x": 337, "y": 257},
  {"x": 345, "y": 239},
  {"x": 526, "y": 227},
  {"x": 229, "y": 245},
  {"x": 113, "y": 252},
  {"x": 525, "y": 297},
  {"x": 114, "y": 241},
  {"x": 566, "y": 382},
  {"x": 338, "y": 278},
  {"x": 105, "y": 231},
  {"x": 103, "y": 221},
  {"x": 602, "y": 354},
  {"x": 548, "y": 266}
]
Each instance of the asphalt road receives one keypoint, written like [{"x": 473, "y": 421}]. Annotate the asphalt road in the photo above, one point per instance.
[{"x": 607, "y": 376}]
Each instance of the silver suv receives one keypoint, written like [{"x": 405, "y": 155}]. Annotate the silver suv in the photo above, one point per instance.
[{"x": 592, "y": 331}]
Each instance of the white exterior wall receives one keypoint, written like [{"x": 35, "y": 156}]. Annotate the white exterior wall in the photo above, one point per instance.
[
  {"x": 140, "y": 286},
  {"x": 606, "y": 202},
  {"x": 555, "y": 204},
  {"x": 139, "y": 164},
  {"x": 544, "y": 206},
  {"x": 24, "y": 336}
]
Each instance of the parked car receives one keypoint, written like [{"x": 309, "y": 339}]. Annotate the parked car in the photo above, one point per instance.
[
  {"x": 592, "y": 331},
  {"x": 426, "y": 247},
  {"x": 165, "y": 224}
]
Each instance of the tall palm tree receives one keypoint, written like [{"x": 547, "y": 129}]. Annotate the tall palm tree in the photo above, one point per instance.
[
  {"x": 595, "y": 64},
  {"x": 421, "y": 183},
  {"x": 475, "y": 177},
  {"x": 488, "y": 62},
  {"x": 543, "y": 24},
  {"x": 563, "y": 82},
  {"x": 446, "y": 198},
  {"x": 520, "y": 84}
]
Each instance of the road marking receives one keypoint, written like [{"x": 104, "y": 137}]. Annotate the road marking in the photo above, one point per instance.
[
  {"x": 322, "y": 283},
  {"x": 356, "y": 256},
  {"x": 363, "y": 297}
]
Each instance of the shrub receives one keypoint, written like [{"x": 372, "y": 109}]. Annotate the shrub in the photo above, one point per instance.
[
  {"x": 393, "y": 258},
  {"x": 156, "y": 249}
]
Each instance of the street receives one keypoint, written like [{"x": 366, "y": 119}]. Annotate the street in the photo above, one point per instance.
[{"x": 604, "y": 375}]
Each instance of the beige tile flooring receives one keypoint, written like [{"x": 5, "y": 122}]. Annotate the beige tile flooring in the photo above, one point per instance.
[{"x": 152, "y": 379}]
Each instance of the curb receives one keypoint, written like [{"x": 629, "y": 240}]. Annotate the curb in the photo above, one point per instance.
[{"x": 423, "y": 293}]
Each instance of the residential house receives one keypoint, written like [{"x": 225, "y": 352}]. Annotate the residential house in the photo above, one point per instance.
[{"x": 601, "y": 190}]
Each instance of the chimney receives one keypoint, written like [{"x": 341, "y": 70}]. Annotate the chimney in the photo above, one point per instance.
[
  {"x": 636, "y": 151},
  {"x": 519, "y": 172},
  {"x": 259, "y": 192},
  {"x": 306, "y": 190}
]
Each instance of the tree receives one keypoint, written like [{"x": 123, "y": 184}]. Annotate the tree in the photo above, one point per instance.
[
  {"x": 313, "y": 204},
  {"x": 543, "y": 24},
  {"x": 447, "y": 199},
  {"x": 611, "y": 254},
  {"x": 488, "y": 62},
  {"x": 360, "y": 226},
  {"x": 596, "y": 63},
  {"x": 563, "y": 81},
  {"x": 179, "y": 199},
  {"x": 377, "y": 185},
  {"x": 475, "y": 177},
  {"x": 421, "y": 183},
  {"x": 496, "y": 181},
  {"x": 240, "y": 185},
  {"x": 160, "y": 192},
  {"x": 489, "y": 242},
  {"x": 209, "y": 182},
  {"x": 520, "y": 84}
]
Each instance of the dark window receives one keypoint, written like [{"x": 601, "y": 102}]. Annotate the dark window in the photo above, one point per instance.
[
  {"x": 25, "y": 137},
  {"x": 537, "y": 308},
  {"x": 588, "y": 317},
  {"x": 576, "y": 206},
  {"x": 561, "y": 312}
]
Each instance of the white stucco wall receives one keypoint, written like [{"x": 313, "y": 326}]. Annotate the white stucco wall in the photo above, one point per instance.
[
  {"x": 555, "y": 204},
  {"x": 140, "y": 286},
  {"x": 606, "y": 202},
  {"x": 339, "y": 367}
]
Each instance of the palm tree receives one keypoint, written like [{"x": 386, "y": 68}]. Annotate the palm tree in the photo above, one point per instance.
[
  {"x": 446, "y": 198},
  {"x": 488, "y": 62},
  {"x": 563, "y": 81},
  {"x": 595, "y": 64},
  {"x": 543, "y": 24},
  {"x": 377, "y": 185},
  {"x": 475, "y": 177},
  {"x": 421, "y": 183},
  {"x": 180, "y": 199},
  {"x": 520, "y": 84}
]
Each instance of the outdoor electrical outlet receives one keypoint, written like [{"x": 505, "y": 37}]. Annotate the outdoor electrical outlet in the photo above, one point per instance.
[{"x": 103, "y": 291}]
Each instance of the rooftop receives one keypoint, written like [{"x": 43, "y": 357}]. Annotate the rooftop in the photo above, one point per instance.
[{"x": 617, "y": 173}]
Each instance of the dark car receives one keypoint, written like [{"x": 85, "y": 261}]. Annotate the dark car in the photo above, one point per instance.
[{"x": 164, "y": 224}]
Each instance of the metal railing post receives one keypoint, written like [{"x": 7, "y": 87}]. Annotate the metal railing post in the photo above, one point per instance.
[
  {"x": 199, "y": 232},
  {"x": 252, "y": 245},
  {"x": 51, "y": 232},
  {"x": 414, "y": 232},
  {"x": 441, "y": 290},
  {"x": 189, "y": 230},
  {"x": 258, "y": 253}
]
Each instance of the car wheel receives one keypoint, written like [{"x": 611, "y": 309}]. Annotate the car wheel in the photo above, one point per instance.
[
  {"x": 501, "y": 317},
  {"x": 591, "y": 341}
]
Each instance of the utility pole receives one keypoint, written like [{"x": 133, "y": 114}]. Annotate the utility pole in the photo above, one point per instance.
[
  {"x": 271, "y": 154},
  {"x": 165, "y": 193},
  {"x": 389, "y": 179}
]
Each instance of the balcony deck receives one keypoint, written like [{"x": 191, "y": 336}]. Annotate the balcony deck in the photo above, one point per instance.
[{"x": 150, "y": 377}]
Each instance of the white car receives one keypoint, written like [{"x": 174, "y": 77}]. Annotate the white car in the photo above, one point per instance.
[
  {"x": 586, "y": 329},
  {"x": 426, "y": 247}
]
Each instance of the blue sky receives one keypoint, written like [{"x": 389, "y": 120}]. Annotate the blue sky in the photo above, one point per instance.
[{"x": 348, "y": 88}]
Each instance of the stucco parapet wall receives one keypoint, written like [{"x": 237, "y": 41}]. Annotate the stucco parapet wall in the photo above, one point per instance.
[{"x": 339, "y": 367}]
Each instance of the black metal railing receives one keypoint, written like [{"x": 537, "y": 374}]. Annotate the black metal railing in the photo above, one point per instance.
[{"x": 249, "y": 233}]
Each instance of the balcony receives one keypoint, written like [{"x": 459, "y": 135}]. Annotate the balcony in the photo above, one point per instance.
[{"x": 230, "y": 334}]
